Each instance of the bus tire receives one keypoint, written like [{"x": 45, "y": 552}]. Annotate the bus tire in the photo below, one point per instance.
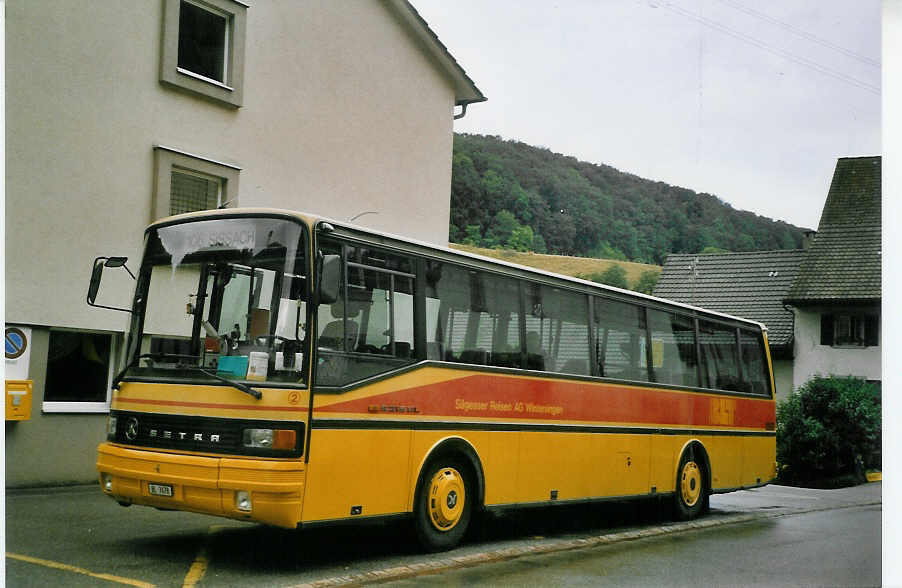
[
  {"x": 691, "y": 492},
  {"x": 444, "y": 504}
]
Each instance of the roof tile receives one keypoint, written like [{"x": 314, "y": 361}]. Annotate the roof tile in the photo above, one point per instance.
[
  {"x": 843, "y": 264},
  {"x": 749, "y": 284}
]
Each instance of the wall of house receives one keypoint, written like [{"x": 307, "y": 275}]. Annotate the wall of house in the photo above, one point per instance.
[
  {"x": 783, "y": 369},
  {"x": 343, "y": 113},
  {"x": 813, "y": 358},
  {"x": 51, "y": 448}
]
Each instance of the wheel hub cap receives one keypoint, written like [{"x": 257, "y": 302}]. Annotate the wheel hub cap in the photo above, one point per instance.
[
  {"x": 446, "y": 499},
  {"x": 690, "y": 483}
]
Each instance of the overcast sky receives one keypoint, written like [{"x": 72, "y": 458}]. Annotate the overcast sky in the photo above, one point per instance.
[{"x": 750, "y": 101}]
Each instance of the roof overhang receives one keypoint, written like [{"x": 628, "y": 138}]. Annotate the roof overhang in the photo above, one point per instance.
[
  {"x": 831, "y": 301},
  {"x": 465, "y": 91}
]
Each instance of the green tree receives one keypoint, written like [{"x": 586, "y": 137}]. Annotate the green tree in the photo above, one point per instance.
[
  {"x": 538, "y": 243},
  {"x": 501, "y": 229},
  {"x": 614, "y": 275},
  {"x": 604, "y": 251},
  {"x": 495, "y": 189},
  {"x": 647, "y": 281},
  {"x": 521, "y": 239},
  {"x": 473, "y": 236}
]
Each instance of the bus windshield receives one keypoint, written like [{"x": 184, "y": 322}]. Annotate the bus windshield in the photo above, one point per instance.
[{"x": 221, "y": 299}]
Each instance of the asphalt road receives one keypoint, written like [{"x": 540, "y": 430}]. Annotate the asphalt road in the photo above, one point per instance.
[
  {"x": 825, "y": 548},
  {"x": 77, "y": 537}
]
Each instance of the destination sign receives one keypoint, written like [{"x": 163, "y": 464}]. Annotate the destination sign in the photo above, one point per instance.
[
  {"x": 238, "y": 238},
  {"x": 216, "y": 235}
]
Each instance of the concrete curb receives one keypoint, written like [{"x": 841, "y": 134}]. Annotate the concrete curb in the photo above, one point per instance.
[{"x": 498, "y": 555}]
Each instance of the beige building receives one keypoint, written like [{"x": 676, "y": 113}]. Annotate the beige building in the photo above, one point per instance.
[{"x": 119, "y": 113}]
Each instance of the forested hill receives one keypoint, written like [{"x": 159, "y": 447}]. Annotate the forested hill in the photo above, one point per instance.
[{"x": 513, "y": 195}]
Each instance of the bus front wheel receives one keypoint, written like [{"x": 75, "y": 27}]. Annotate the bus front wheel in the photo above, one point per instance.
[
  {"x": 444, "y": 503},
  {"x": 691, "y": 493}
]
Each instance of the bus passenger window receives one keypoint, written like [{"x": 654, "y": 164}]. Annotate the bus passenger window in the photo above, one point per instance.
[
  {"x": 754, "y": 362},
  {"x": 476, "y": 319},
  {"x": 719, "y": 357},
  {"x": 620, "y": 340},
  {"x": 674, "y": 336},
  {"x": 557, "y": 331}
]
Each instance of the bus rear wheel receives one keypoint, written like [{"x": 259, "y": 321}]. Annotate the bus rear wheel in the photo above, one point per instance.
[
  {"x": 444, "y": 505},
  {"x": 691, "y": 493}
]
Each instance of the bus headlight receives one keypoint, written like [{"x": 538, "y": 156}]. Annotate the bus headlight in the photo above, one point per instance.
[
  {"x": 107, "y": 481},
  {"x": 271, "y": 438}
]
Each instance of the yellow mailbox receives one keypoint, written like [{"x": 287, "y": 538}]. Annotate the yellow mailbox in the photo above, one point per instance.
[{"x": 18, "y": 400}]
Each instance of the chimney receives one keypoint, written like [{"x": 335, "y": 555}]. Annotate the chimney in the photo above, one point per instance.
[{"x": 810, "y": 234}]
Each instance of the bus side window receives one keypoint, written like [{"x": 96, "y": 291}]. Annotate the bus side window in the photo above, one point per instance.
[
  {"x": 676, "y": 334},
  {"x": 369, "y": 330},
  {"x": 719, "y": 357},
  {"x": 557, "y": 333},
  {"x": 754, "y": 362},
  {"x": 620, "y": 340},
  {"x": 477, "y": 317}
]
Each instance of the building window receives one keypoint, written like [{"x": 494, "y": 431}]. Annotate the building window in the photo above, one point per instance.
[
  {"x": 79, "y": 371},
  {"x": 203, "y": 48},
  {"x": 186, "y": 183},
  {"x": 850, "y": 330},
  {"x": 190, "y": 191},
  {"x": 203, "y": 41}
]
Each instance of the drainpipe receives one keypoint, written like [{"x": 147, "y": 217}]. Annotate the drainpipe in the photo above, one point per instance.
[
  {"x": 810, "y": 234},
  {"x": 792, "y": 338}
]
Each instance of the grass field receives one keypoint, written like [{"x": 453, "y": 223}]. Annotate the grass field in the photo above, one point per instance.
[{"x": 562, "y": 264}]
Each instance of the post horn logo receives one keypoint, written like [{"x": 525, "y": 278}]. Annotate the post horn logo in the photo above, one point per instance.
[{"x": 131, "y": 430}]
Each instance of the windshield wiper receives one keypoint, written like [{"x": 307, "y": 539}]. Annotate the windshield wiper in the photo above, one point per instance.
[
  {"x": 243, "y": 387},
  {"x": 154, "y": 356},
  {"x": 158, "y": 356}
]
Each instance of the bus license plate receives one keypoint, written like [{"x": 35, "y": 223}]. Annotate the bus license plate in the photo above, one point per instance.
[{"x": 160, "y": 489}]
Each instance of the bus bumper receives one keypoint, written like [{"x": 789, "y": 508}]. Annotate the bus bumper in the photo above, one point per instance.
[{"x": 265, "y": 491}]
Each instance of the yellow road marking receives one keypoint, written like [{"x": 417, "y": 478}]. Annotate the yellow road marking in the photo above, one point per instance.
[
  {"x": 67, "y": 568},
  {"x": 199, "y": 567}
]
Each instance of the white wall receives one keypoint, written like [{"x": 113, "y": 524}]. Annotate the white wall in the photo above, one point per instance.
[
  {"x": 813, "y": 358},
  {"x": 783, "y": 369}
]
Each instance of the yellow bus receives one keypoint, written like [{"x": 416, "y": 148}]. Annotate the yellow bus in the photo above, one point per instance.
[{"x": 294, "y": 371}]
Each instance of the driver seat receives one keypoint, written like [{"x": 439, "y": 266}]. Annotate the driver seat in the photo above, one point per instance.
[{"x": 331, "y": 337}]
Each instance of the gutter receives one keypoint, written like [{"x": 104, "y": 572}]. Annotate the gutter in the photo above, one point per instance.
[{"x": 463, "y": 107}]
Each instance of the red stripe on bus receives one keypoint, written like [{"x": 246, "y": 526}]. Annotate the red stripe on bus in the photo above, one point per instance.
[
  {"x": 507, "y": 397},
  {"x": 210, "y": 405}
]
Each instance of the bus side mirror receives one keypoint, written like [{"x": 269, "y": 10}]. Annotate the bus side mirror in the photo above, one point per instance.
[
  {"x": 97, "y": 274},
  {"x": 94, "y": 286},
  {"x": 329, "y": 278}
]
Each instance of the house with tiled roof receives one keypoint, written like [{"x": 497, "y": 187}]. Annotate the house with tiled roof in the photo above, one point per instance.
[
  {"x": 821, "y": 305},
  {"x": 836, "y": 296},
  {"x": 749, "y": 284}
]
